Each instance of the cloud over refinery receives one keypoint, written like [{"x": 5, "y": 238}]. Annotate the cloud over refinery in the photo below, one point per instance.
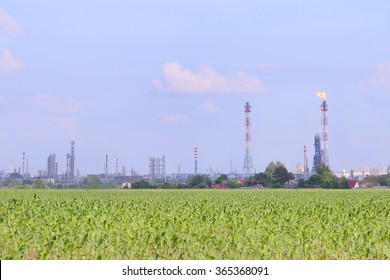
[{"x": 177, "y": 79}]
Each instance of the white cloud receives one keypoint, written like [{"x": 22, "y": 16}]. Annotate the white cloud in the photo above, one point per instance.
[
  {"x": 381, "y": 77},
  {"x": 209, "y": 107},
  {"x": 174, "y": 118},
  {"x": 8, "y": 24},
  {"x": 9, "y": 64},
  {"x": 180, "y": 80}
]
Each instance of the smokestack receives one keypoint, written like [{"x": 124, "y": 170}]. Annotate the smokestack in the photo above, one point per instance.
[
  {"x": 24, "y": 154},
  {"x": 196, "y": 160},
  {"x": 106, "y": 168},
  {"x": 72, "y": 160},
  {"x": 305, "y": 162},
  {"x": 116, "y": 168}
]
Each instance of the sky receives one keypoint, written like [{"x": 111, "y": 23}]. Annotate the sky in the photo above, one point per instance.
[{"x": 134, "y": 79}]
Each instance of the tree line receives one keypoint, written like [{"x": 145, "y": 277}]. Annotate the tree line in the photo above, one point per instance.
[{"x": 275, "y": 175}]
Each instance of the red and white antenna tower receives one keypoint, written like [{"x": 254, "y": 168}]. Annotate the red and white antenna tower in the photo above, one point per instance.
[
  {"x": 324, "y": 123},
  {"x": 248, "y": 165},
  {"x": 196, "y": 160}
]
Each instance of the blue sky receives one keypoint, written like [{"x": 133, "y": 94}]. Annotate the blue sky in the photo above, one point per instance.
[{"x": 134, "y": 79}]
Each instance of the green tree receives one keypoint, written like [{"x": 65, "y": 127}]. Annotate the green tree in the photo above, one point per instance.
[
  {"x": 278, "y": 173},
  {"x": 315, "y": 179},
  {"x": 326, "y": 179},
  {"x": 39, "y": 184},
  {"x": 27, "y": 182},
  {"x": 264, "y": 178},
  {"x": 337, "y": 184},
  {"x": 327, "y": 185},
  {"x": 92, "y": 182},
  {"x": 282, "y": 176},
  {"x": 234, "y": 184},
  {"x": 142, "y": 184},
  {"x": 382, "y": 181},
  {"x": 200, "y": 181},
  {"x": 322, "y": 168},
  {"x": 270, "y": 169},
  {"x": 167, "y": 185},
  {"x": 195, "y": 181},
  {"x": 301, "y": 183},
  {"x": 222, "y": 177},
  {"x": 207, "y": 180},
  {"x": 344, "y": 183},
  {"x": 59, "y": 186}
]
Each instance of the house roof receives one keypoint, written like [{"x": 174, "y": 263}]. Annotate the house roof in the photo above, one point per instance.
[
  {"x": 352, "y": 183},
  {"x": 220, "y": 186}
]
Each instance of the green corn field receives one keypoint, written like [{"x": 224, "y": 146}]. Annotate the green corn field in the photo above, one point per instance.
[{"x": 195, "y": 224}]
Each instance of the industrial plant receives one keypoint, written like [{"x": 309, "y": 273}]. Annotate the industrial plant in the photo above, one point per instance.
[
  {"x": 157, "y": 165},
  {"x": 157, "y": 169}
]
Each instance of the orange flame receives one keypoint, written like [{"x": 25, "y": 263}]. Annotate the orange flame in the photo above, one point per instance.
[{"x": 321, "y": 94}]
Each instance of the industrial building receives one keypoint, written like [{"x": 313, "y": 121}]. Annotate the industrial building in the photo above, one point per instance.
[
  {"x": 321, "y": 146},
  {"x": 317, "y": 152},
  {"x": 70, "y": 164},
  {"x": 157, "y": 173},
  {"x": 52, "y": 168}
]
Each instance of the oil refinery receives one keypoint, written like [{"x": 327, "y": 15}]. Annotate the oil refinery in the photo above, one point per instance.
[{"x": 157, "y": 165}]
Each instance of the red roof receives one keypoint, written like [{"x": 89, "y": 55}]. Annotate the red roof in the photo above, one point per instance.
[
  {"x": 352, "y": 183},
  {"x": 220, "y": 186}
]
